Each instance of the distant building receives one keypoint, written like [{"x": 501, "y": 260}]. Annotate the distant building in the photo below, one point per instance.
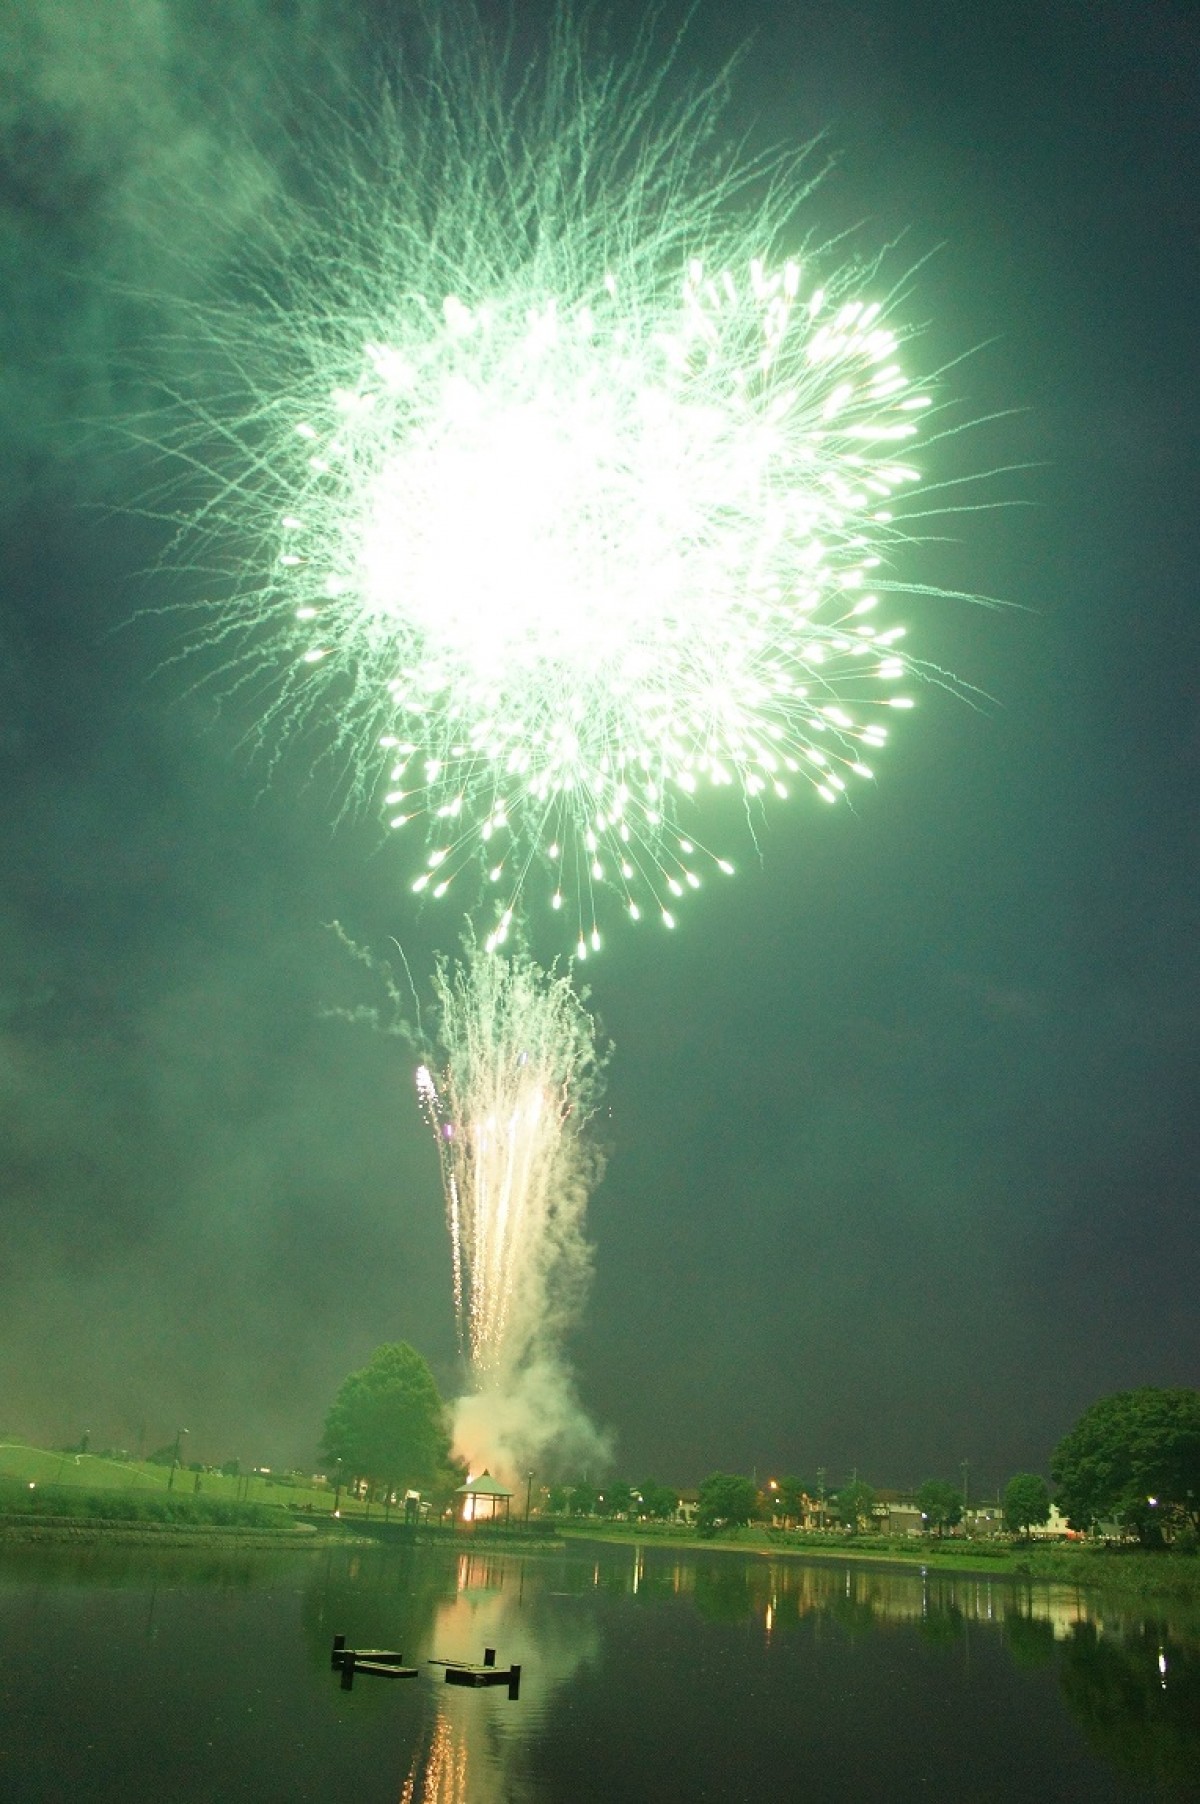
[
  {"x": 902, "y": 1519},
  {"x": 1055, "y": 1528}
]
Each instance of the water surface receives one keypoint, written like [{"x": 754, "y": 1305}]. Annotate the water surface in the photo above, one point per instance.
[{"x": 647, "y": 1674}]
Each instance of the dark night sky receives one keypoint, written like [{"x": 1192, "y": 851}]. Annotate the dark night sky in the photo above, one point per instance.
[{"x": 903, "y": 1140}]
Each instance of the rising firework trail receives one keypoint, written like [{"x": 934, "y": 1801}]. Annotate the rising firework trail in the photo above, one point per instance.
[
  {"x": 543, "y": 466},
  {"x": 518, "y": 1082}
]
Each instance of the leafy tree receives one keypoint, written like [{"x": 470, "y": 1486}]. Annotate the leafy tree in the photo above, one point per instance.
[
  {"x": 790, "y": 1499},
  {"x": 557, "y": 1500},
  {"x": 442, "y": 1491},
  {"x": 584, "y": 1497},
  {"x": 658, "y": 1501},
  {"x": 616, "y": 1499},
  {"x": 1026, "y": 1502},
  {"x": 941, "y": 1504},
  {"x": 853, "y": 1505},
  {"x": 388, "y": 1423},
  {"x": 1135, "y": 1457},
  {"x": 724, "y": 1498}
]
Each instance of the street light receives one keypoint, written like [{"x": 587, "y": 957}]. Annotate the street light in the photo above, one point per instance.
[
  {"x": 179, "y": 1434},
  {"x": 337, "y": 1495},
  {"x": 528, "y": 1495}
]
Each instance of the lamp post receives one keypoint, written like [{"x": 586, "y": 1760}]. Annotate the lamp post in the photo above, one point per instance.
[
  {"x": 337, "y": 1495},
  {"x": 528, "y": 1495},
  {"x": 179, "y": 1434}
]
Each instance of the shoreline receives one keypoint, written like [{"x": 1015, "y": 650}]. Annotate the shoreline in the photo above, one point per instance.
[
  {"x": 1128, "y": 1572},
  {"x": 1146, "y": 1575},
  {"x": 22, "y": 1529},
  {"x": 83, "y": 1531}
]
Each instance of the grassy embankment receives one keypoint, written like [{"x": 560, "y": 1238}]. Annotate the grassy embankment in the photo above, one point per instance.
[
  {"x": 1124, "y": 1569},
  {"x": 69, "y": 1496},
  {"x": 41, "y": 1491}
]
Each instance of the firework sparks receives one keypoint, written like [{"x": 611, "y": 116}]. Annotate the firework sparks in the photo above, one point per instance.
[
  {"x": 519, "y": 1081},
  {"x": 575, "y": 494}
]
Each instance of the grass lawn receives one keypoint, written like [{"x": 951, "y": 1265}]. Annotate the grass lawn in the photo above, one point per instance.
[{"x": 25, "y": 1465}]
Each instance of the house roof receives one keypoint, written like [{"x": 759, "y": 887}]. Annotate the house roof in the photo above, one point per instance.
[{"x": 483, "y": 1486}]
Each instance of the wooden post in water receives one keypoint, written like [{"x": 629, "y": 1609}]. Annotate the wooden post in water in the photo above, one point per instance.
[{"x": 348, "y": 1660}]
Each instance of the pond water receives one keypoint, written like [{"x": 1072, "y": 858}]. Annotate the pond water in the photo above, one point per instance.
[{"x": 130, "y": 1673}]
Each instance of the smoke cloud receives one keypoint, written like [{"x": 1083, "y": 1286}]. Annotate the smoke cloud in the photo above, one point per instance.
[{"x": 531, "y": 1421}]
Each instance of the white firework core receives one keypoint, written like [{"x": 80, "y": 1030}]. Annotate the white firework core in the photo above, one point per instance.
[
  {"x": 573, "y": 489},
  {"x": 519, "y": 1082}
]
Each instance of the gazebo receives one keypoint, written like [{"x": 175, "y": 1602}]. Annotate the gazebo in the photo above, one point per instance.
[{"x": 482, "y": 1497}]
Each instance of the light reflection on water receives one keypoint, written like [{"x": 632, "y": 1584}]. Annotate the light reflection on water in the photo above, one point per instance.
[
  {"x": 646, "y": 1672},
  {"x": 472, "y": 1741}
]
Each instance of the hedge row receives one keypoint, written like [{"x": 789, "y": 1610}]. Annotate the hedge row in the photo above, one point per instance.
[{"x": 127, "y": 1506}]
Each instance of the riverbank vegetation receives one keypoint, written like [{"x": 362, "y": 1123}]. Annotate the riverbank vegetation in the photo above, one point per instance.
[
  {"x": 1126, "y": 1569},
  {"x": 52, "y": 1501},
  {"x": 1125, "y": 1514}
]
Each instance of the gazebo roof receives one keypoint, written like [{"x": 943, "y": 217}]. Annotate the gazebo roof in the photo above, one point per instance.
[{"x": 483, "y": 1486}]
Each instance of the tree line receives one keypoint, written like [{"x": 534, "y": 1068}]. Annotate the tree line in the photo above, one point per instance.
[{"x": 1131, "y": 1461}]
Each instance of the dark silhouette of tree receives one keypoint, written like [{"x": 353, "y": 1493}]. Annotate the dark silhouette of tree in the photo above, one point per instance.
[
  {"x": 658, "y": 1501},
  {"x": 1026, "y": 1503},
  {"x": 1133, "y": 1458},
  {"x": 941, "y": 1504},
  {"x": 790, "y": 1499},
  {"x": 616, "y": 1499},
  {"x": 584, "y": 1497},
  {"x": 853, "y": 1505},
  {"x": 388, "y": 1423},
  {"x": 725, "y": 1500}
]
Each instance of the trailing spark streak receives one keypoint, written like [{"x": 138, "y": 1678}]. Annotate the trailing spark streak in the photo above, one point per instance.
[
  {"x": 519, "y": 1080},
  {"x": 573, "y": 491}
]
